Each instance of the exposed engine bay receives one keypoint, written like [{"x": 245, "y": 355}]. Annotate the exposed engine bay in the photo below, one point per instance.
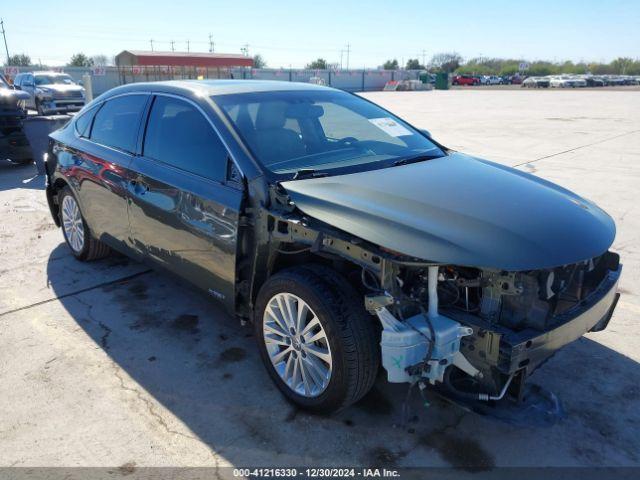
[{"x": 492, "y": 328}]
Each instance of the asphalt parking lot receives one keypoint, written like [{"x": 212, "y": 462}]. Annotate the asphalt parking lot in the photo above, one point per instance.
[{"x": 110, "y": 364}]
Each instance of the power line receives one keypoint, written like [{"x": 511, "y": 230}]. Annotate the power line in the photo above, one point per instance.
[{"x": 5, "y": 40}]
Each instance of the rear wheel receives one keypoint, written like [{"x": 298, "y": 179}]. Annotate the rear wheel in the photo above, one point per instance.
[
  {"x": 75, "y": 230},
  {"x": 317, "y": 342}
]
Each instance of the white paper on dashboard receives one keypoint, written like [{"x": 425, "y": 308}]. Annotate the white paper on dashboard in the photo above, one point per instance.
[{"x": 390, "y": 126}]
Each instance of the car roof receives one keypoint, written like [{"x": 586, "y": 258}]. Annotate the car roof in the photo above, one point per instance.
[{"x": 218, "y": 87}]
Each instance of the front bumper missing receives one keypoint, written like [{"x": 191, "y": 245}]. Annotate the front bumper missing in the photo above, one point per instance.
[
  {"x": 494, "y": 346},
  {"x": 530, "y": 350}
]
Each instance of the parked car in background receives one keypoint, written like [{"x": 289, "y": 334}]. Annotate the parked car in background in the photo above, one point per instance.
[
  {"x": 13, "y": 142},
  {"x": 536, "y": 82},
  {"x": 516, "y": 80},
  {"x": 51, "y": 92},
  {"x": 346, "y": 235},
  {"x": 465, "y": 80},
  {"x": 594, "y": 81},
  {"x": 567, "y": 81},
  {"x": 493, "y": 80}
]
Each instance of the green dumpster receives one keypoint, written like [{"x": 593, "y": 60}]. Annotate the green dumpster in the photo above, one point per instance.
[{"x": 442, "y": 81}]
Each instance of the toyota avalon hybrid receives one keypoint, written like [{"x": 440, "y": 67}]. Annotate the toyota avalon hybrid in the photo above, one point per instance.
[{"x": 348, "y": 237}]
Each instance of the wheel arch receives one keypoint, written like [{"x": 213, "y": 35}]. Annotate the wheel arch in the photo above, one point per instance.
[{"x": 56, "y": 185}]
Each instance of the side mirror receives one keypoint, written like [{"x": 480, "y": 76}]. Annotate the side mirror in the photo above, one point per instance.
[
  {"x": 80, "y": 83},
  {"x": 15, "y": 87},
  {"x": 426, "y": 133}
]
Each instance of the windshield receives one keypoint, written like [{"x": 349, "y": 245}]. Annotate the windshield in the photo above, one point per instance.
[
  {"x": 321, "y": 130},
  {"x": 53, "y": 79}
]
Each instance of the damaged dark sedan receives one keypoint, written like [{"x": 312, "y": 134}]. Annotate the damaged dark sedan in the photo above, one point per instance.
[{"x": 348, "y": 237}]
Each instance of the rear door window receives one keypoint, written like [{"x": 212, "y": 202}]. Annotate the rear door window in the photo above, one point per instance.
[
  {"x": 83, "y": 122},
  {"x": 178, "y": 134},
  {"x": 116, "y": 123}
]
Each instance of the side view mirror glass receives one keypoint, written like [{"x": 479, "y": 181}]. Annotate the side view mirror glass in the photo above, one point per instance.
[{"x": 426, "y": 132}]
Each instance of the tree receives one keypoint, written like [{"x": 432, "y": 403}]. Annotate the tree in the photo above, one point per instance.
[
  {"x": 446, "y": 62},
  {"x": 20, "y": 60},
  {"x": 80, "y": 60},
  {"x": 258, "y": 61},
  {"x": 319, "y": 64},
  {"x": 390, "y": 64},
  {"x": 621, "y": 65},
  {"x": 100, "y": 60},
  {"x": 414, "y": 64}
]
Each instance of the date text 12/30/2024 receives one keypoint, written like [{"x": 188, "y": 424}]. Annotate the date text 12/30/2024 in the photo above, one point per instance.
[{"x": 286, "y": 473}]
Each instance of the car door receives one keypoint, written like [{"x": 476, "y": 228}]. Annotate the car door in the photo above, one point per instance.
[
  {"x": 183, "y": 211},
  {"x": 108, "y": 139}
]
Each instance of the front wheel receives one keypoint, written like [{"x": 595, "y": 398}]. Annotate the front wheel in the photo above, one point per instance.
[
  {"x": 76, "y": 232},
  {"x": 316, "y": 340}
]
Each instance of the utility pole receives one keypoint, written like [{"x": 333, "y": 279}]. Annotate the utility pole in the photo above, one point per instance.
[
  {"x": 172, "y": 43},
  {"x": 151, "y": 42},
  {"x": 245, "y": 50},
  {"x": 348, "y": 51},
  {"x": 424, "y": 58},
  {"x": 188, "y": 46},
  {"x": 211, "y": 44},
  {"x": 341, "y": 53},
  {"x": 6, "y": 48}
]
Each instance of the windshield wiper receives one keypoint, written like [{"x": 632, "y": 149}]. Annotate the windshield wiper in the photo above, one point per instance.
[
  {"x": 308, "y": 173},
  {"x": 416, "y": 158}
]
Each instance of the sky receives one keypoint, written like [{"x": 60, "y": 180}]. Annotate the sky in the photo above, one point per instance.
[{"x": 292, "y": 33}]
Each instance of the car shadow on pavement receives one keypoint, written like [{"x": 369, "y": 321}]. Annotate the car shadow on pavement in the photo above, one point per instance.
[
  {"x": 14, "y": 175},
  {"x": 187, "y": 361}
]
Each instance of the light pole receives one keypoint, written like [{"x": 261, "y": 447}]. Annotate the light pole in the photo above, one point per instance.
[
  {"x": 348, "y": 51},
  {"x": 6, "y": 48}
]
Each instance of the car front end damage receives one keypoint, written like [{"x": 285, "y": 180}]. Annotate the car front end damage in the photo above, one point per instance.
[
  {"x": 473, "y": 292},
  {"x": 60, "y": 99},
  {"x": 509, "y": 323},
  {"x": 473, "y": 334}
]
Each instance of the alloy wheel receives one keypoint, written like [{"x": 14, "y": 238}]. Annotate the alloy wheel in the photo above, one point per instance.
[
  {"x": 297, "y": 345},
  {"x": 72, "y": 223}
]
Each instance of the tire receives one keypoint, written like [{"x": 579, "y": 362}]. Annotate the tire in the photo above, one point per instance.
[
  {"x": 352, "y": 340},
  {"x": 89, "y": 248}
]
